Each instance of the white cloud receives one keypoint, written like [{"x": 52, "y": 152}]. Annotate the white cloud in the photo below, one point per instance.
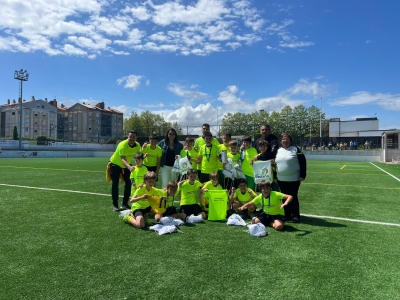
[
  {"x": 71, "y": 50},
  {"x": 274, "y": 27},
  {"x": 188, "y": 115},
  {"x": 249, "y": 38},
  {"x": 94, "y": 26},
  {"x": 186, "y": 92},
  {"x": 131, "y": 81},
  {"x": 115, "y": 26},
  {"x": 304, "y": 87},
  {"x": 232, "y": 101},
  {"x": 202, "y": 12},
  {"x": 134, "y": 38},
  {"x": 295, "y": 45},
  {"x": 126, "y": 110},
  {"x": 386, "y": 101},
  {"x": 234, "y": 45},
  {"x": 95, "y": 43},
  {"x": 154, "y": 105},
  {"x": 139, "y": 12}
]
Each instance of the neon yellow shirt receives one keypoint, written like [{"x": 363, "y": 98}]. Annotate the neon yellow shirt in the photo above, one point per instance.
[
  {"x": 143, "y": 204},
  {"x": 160, "y": 203},
  {"x": 209, "y": 162},
  {"x": 123, "y": 149},
  {"x": 247, "y": 156},
  {"x": 271, "y": 204},
  {"x": 200, "y": 142},
  {"x": 138, "y": 176},
  {"x": 209, "y": 186},
  {"x": 235, "y": 157},
  {"x": 153, "y": 155},
  {"x": 189, "y": 192},
  {"x": 193, "y": 153},
  {"x": 246, "y": 197},
  {"x": 217, "y": 205}
]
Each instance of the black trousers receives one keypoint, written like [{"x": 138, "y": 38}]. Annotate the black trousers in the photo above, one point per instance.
[
  {"x": 115, "y": 171},
  {"x": 291, "y": 188}
]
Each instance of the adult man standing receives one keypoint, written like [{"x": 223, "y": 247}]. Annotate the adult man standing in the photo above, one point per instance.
[
  {"x": 120, "y": 164},
  {"x": 266, "y": 135}
]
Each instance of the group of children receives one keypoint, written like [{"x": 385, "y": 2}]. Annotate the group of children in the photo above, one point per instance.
[{"x": 193, "y": 194}]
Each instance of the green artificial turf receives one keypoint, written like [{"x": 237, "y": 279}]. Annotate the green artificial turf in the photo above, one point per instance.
[{"x": 63, "y": 245}]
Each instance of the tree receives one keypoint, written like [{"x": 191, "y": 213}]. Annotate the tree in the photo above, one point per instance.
[
  {"x": 15, "y": 133},
  {"x": 296, "y": 121},
  {"x": 148, "y": 123},
  {"x": 237, "y": 124}
]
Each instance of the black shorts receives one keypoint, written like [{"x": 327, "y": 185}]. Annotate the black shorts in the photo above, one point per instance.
[
  {"x": 266, "y": 219},
  {"x": 141, "y": 212},
  {"x": 170, "y": 211},
  {"x": 152, "y": 169},
  {"x": 204, "y": 177},
  {"x": 191, "y": 209}
]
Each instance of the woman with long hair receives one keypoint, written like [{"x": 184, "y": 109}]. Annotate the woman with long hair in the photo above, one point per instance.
[{"x": 171, "y": 148}]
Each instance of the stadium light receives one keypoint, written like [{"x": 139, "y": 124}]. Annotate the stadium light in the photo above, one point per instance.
[
  {"x": 20, "y": 75},
  {"x": 320, "y": 125}
]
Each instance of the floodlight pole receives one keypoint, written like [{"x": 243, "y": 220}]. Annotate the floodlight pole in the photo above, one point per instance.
[
  {"x": 20, "y": 75},
  {"x": 320, "y": 125}
]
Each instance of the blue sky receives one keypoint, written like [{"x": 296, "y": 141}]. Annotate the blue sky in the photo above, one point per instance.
[{"x": 187, "y": 60}]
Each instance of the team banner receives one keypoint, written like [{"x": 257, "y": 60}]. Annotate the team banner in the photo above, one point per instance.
[
  {"x": 185, "y": 165},
  {"x": 238, "y": 172},
  {"x": 229, "y": 169},
  {"x": 176, "y": 168},
  {"x": 217, "y": 204},
  {"x": 262, "y": 171}
]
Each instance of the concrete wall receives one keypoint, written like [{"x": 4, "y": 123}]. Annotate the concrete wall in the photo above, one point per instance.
[
  {"x": 345, "y": 155},
  {"x": 335, "y": 155},
  {"x": 56, "y": 146}
]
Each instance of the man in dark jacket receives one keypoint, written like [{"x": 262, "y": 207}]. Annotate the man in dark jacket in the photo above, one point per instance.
[{"x": 266, "y": 135}]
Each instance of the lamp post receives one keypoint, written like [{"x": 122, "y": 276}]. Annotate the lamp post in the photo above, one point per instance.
[
  {"x": 320, "y": 125},
  {"x": 20, "y": 75}
]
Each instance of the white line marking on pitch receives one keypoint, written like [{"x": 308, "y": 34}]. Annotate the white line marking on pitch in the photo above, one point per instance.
[
  {"x": 385, "y": 172},
  {"x": 98, "y": 194},
  {"x": 57, "y": 190},
  {"x": 351, "y": 220}
]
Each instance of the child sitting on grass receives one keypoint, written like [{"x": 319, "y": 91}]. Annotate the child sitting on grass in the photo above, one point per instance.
[
  {"x": 241, "y": 196},
  {"x": 141, "y": 207},
  {"x": 273, "y": 213},
  {"x": 165, "y": 205},
  {"x": 190, "y": 191},
  {"x": 212, "y": 185}
]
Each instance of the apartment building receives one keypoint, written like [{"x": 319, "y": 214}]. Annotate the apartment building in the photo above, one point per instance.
[
  {"x": 80, "y": 122},
  {"x": 39, "y": 118},
  {"x": 86, "y": 122}
]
